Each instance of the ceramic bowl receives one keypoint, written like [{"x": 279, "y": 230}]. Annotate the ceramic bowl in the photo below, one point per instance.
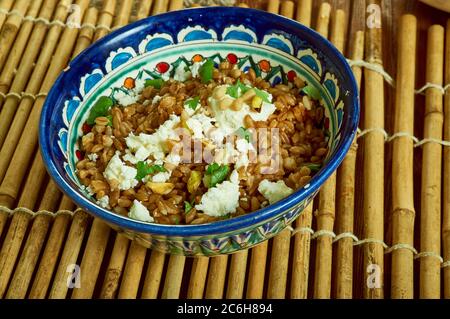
[{"x": 278, "y": 49}]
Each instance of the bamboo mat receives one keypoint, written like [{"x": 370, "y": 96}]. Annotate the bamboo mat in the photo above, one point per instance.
[{"x": 380, "y": 227}]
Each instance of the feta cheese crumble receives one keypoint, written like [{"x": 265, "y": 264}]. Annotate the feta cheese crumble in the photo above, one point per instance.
[
  {"x": 93, "y": 157},
  {"x": 200, "y": 124},
  {"x": 222, "y": 199},
  {"x": 140, "y": 212},
  {"x": 181, "y": 74},
  {"x": 145, "y": 145},
  {"x": 104, "y": 201},
  {"x": 274, "y": 191},
  {"x": 120, "y": 172}
]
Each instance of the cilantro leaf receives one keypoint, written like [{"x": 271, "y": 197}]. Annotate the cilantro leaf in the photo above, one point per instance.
[
  {"x": 100, "y": 108},
  {"x": 187, "y": 207},
  {"x": 156, "y": 83},
  {"x": 312, "y": 92},
  {"x": 193, "y": 103},
  {"x": 313, "y": 167},
  {"x": 110, "y": 123},
  {"x": 216, "y": 174},
  {"x": 206, "y": 71},
  {"x": 144, "y": 169},
  {"x": 262, "y": 94},
  {"x": 244, "y": 133},
  {"x": 237, "y": 89}
]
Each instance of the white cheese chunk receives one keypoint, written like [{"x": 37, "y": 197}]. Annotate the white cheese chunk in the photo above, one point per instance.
[
  {"x": 222, "y": 199},
  {"x": 104, "y": 201},
  {"x": 93, "y": 157},
  {"x": 140, "y": 212},
  {"x": 195, "y": 68},
  {"x": 200, "y": 124},
  {"x": 274, "y": 191},
  {"x": 181, "y": 74},
  {"x": 120, "y": 172},
  {"x": 145, "y": 145}
]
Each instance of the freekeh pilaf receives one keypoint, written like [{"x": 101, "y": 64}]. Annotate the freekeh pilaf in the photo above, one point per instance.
[{"x": 208, "y": 144}]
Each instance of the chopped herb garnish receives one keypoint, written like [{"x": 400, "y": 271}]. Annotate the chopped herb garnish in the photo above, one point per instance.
[
  {"x": 206, "y": 71},
  {"x": 312, "y": 92},
  {"x": 193, "y": 103},
  {"x": 215, "y": 174},
  {"x": 144, "y": 169},
  {"x": 187, "y": 207},
  {"x": 244, "y": 133},
  {"x": 100, "y": 108},
  {"x": 237, "y": 89},
  {"x": 109, "y": 117},
  {"x": 156, "y": 83},
  {"x": 263, "y": 95},
  {"x": 313, "y": 167}
]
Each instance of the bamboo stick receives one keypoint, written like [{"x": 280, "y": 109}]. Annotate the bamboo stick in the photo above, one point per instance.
[
  {"x": 123, "y": 17},
  {"x": 86, "y": 34},
  {"x": 11, "y": 28},
  {"x": 11, "y": 247},
  {"x": 105, "y": 19},
  {"x": 78, "y": 228},
  {"x": 174, "y": 277},
  {"x": 273, "y": 6},
  {"x": 256, "y": 272},
  {"x": 153, "y": 276},
  {"x": 176, "y": 5},
  {"x": 114, "y": 271},
  {"x": 216, "y": 277},
  {"x": 242, "y": 5},
  {"x": 430, "y": 218},
  {"x": 304, "y": 10},
  {"x": 5, "y": 5},
  {"x": 99, "y": 234},
  {"x": 287, "y": 9},
  {"x": 9, "y": 134},
  {"x": 29, "y": 257},
  {"x": 301, "y": 254},
  {"x": 3, "y": 221},
  {"x": 52, "y": 251},
  {"x": 374, "y": 161},
  {"x": 323, "y": 19},
  {"x": 346, "y": 195},
  {"x": 160, "y": 6},
  {"x": 198, "y": 278},
  {"x": 236, "y": 279},
  {"x": 402, "y": 162},
  {"x": 279, "y": 266},
  {"x": 143, "y": 10},
  {"x": 133, "y": 271},
  {"x": 327, "y": 196},
  {"x": 446, "y": 161}
]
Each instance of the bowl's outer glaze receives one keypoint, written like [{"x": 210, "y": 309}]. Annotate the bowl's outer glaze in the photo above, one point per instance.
[{"x": 276, "y": 47}]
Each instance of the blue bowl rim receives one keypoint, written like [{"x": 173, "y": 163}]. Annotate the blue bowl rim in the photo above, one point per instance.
[{"x": 219, "y": 227}]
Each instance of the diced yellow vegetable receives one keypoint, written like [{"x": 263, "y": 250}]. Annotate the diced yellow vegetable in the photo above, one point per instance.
[
  {"x": 194, "y": 181},
  {"x": 256, "y": 102},
  {"x": 160, "y": 188}
]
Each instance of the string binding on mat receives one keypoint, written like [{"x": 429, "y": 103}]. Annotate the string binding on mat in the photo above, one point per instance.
[
  {"x": 23, "y": 95},
  {"x": 33, "y": 214},
  {"x": 359, "y": 242}
]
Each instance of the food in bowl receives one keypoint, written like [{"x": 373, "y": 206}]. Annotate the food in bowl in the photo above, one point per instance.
[
  {"x": 112, "y": 74},
  {"x": 206, "y": 143}
]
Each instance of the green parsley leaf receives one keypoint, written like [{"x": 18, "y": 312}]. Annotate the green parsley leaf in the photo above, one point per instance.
[
  {"x": 244, "y": 133},
  {"x": 156, "y": 83},
  {"x": 144, "y": 169},
  {"x": 187, "y": 207},
  {"x": 100, "y": 108},
  {"x": 312, "y": 92},
  {"x": 262, "y": 94},
  {"x": 110, "y": 123},
  {"x": 313, "y": 166},
  {"x": 193, "y": 103},
  {"x": 215, "y": 174},
  {"x": 237, "y": 89},
  {"x": 206, "y": 71}
]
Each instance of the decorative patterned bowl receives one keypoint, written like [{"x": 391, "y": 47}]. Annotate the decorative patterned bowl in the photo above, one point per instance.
[{"x": 277, "y": 48}]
